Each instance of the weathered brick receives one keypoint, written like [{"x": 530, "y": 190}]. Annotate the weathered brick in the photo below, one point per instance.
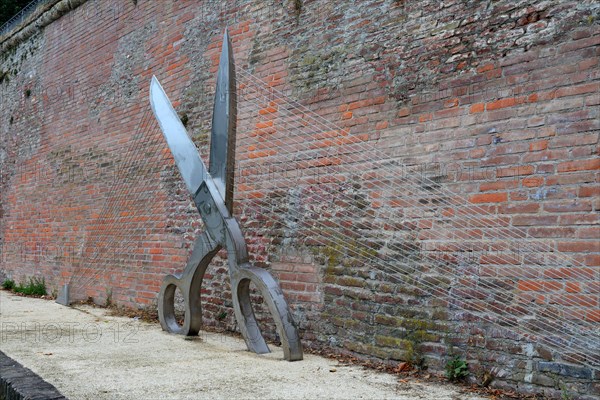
[
  {"x": 515, "y": 171},
  {"x": 581, "y": 165},
  {"x": 503, "y": 101},
  {"x": 579, "y": 247},
  {"x": 537, "y": 146},
  {"x": 565, "y": 370}
]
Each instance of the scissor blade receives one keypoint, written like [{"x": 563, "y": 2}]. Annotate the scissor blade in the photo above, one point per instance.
[
  {"x": 184, "y": 151},
  {"x": 222, "y": 139}
]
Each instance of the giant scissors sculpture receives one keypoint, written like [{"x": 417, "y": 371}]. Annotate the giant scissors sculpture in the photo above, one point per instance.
[{"x": 212, "y": 191}]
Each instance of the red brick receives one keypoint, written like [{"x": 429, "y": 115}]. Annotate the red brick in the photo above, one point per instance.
[
  {"x": 477, "y": 108},
  {"x": 264, "y": 124},
  {"x": 365, "y": 103},
  {"x": 589, "y": 191},
  {"x": 573, "y": 287},
  {"x": 577, "y": 90},
  {"x": 485, "y": 67},
  {"x": 451, "y": 103},
  {"x": 489, "y": 198},
  {"x": 403, "y": 112},
  {"x": 515, "y": 171},
  {"x": 503, "y": 103},
  {"x": 592, "y": 260},
  {"x": 549, "y": 232},
  {"x": 580, "y": 165},
  {"x": 579, "y": 247},
  {"x": 536, "y": 286},
  {"x": 520, "y": 208},
  {"x": 498, "y": 185},
  {"x": 537, "y": 146},
  {"x": 267, "y": 110},
  {"x": 525, "y": 220},
  {"x": 580, "y": 300},
  {"x": 425, "y": 117},
  {"x": 593, "y": 316},
  {"x": 533, "y": 181},
  {"x": 381, "y": 125},
  {"x": 551, "y": 286}
]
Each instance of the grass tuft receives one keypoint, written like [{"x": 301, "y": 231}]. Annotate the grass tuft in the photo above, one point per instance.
[
  {"x": 8, "y": 284},
  {"x": 35, "y": 287}
]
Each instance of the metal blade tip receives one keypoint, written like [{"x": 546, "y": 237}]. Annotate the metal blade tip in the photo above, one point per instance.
[{"x": 153, "y": 84}]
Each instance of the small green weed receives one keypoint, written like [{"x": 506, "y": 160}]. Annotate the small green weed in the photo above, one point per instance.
[
  {"x": 35, "y": 287},
  {"x": 8, "y": 284},
  {"x": 221, "y": 316},
  {"x": 457, "y": 369},
  {"x": 184, "y": 119},
  {"x": 564, "y": 393}
]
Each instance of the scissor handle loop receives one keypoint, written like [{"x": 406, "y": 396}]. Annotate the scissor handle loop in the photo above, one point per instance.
[{"x": 278, "y": 307}]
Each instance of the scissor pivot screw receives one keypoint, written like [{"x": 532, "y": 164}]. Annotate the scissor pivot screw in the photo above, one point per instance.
[{"x": 207, "y": 208}]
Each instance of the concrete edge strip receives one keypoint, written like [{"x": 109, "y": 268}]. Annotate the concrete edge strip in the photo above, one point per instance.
[{"x": 20, "y": 383}]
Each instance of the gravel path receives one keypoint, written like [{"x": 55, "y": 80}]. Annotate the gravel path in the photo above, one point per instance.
[{"x": 89, "y": 355}]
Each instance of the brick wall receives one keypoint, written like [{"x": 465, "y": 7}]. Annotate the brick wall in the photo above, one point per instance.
[{"x": 350, "y": 207}]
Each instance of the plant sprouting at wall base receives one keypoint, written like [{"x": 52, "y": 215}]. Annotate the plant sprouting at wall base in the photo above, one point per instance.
[{"x": 457, "y": 369}]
